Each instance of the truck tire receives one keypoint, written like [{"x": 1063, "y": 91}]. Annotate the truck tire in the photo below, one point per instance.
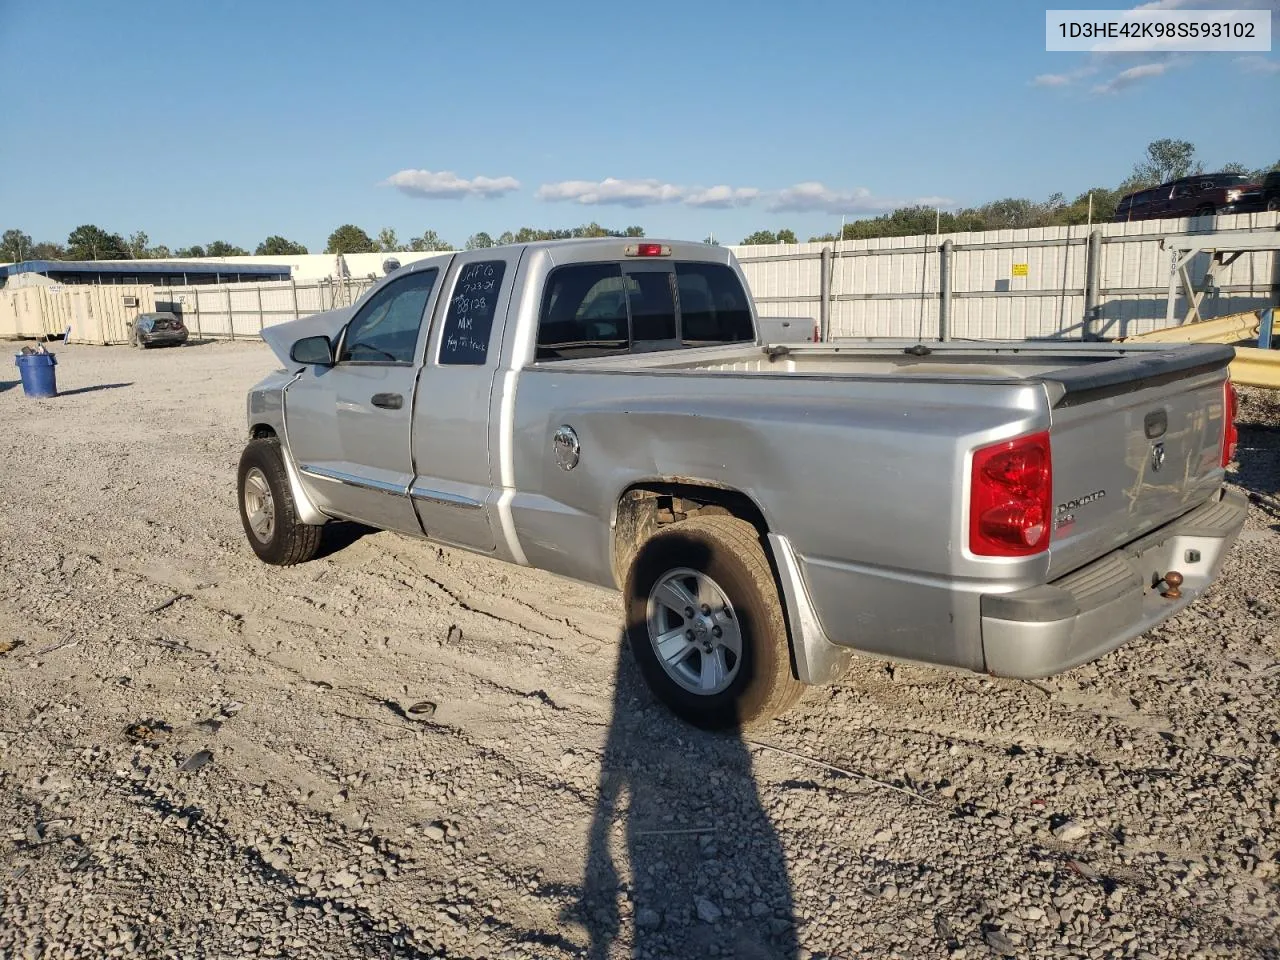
[
  {"x": 705, "y": 624},
  {"x": 267, "y": 510}
]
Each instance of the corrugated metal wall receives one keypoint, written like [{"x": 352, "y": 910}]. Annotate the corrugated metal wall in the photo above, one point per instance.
[
  {"x": 888, "y": 287},
  {"x": 885, "y": 287},
  {"x": 242, "y": 310}
]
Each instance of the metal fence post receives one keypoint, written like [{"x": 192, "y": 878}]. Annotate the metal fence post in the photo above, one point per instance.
[
  {"x": 293, "y": 285},
  {"x": 944, "y": 291},
  {"x": 231, "y": 317},
  {"x": 824, "y": 303},
  {"x": 261, "y": 322},
  {"x": 195, "y": 292},
  {"x": 1092, "y": 299}
]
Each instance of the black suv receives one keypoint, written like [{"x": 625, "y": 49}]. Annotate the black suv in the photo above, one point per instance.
[{"x": 1203, "y": 195}]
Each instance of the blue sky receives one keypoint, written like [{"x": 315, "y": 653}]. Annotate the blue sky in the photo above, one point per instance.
[{"x": 236, "y": 120}]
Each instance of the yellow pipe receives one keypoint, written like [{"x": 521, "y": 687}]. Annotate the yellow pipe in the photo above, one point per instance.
[
  {"x": 1229, "y": 329},
  {"x": 1255, "y": 367}
]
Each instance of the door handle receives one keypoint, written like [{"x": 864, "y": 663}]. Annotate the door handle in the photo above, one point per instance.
[{"x": 388, "y": 401}]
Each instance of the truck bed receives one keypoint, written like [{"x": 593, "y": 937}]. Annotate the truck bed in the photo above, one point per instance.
[{"x": 1075, "y": 366}]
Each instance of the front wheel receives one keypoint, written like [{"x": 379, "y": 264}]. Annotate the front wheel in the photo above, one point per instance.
[
  {"x": 267, "y": 509},
  {"x": 705, "y": 624}
]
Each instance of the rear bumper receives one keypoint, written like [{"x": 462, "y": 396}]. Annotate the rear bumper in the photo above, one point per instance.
[
  {"x": 1045, "y": 630},
  {"x": 157, "y": 337}
]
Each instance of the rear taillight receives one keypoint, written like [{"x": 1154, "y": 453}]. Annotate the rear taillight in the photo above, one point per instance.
[
  {"x": 1230, "y": 436},
  {"x": 1011, "y": 498}
]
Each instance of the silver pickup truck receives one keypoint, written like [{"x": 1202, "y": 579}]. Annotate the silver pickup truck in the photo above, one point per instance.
[{"x": 604, "y": 410}]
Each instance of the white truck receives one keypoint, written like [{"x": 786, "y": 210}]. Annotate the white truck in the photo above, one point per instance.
[{"x": 606, "y": 410}]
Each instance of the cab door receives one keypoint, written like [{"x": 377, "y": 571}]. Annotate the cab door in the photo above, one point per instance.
[
  {"x": 349, "y": 424},
  {"x": 455, "y": 424}
]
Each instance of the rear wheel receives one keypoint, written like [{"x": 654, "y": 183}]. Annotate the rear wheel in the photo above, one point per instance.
[
  {"x": 267, "y": 510},
  {"x": 705, "y": 624},
  {"x": 1273, "y": 204}
]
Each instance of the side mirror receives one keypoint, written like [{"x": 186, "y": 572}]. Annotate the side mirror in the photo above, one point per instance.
[{"x": 312, "y": 350}]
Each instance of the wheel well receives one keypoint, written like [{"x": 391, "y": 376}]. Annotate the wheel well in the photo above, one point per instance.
[
  {"x": 260, "y": 431},
  {"x": 646, "y": 508}
]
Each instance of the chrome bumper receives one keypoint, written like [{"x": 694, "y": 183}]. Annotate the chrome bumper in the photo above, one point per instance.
[{"x": 1045, "y": 630}]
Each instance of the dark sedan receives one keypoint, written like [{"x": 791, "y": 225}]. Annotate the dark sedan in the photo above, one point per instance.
[{"x": 158, "y": 330}]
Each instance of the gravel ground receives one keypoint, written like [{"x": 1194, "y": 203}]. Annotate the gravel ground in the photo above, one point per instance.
[{"x": 402, "y": 751}]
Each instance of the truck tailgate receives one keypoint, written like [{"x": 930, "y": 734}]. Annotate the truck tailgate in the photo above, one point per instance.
[{"x": 1136, "y": 442}]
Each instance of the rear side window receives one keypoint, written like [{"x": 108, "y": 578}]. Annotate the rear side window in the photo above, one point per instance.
[{"x": 713, "y": 305}]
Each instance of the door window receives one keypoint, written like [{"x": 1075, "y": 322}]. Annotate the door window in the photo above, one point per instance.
[
  {"x": 386, "y": 328},
  {"x": 471, "y": 311}
]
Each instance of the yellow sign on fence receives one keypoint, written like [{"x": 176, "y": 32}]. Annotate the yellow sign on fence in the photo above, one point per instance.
[{"x": 1019, "y": 269}]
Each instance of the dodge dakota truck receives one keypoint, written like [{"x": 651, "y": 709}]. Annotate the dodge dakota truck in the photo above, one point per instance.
[{"x": 605, "y": 410}]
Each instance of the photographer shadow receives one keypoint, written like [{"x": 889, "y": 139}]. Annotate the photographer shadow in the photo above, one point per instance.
[{"x": 682, "y": 859}]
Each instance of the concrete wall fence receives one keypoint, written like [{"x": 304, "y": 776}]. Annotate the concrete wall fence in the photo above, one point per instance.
[{"x": 1004, "y": 285}]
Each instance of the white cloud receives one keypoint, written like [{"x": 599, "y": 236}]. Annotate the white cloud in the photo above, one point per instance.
[
  {"x": 448, "y": 185},
  {"x": 1134, "y": 75},
  {"x": 1258, "y": 64},
  {"x": 1068, "y": 78},
  {"x": 814, "y": 196},
  {"x": 623, "y": 193},
  {"x": 722, "y": 197}
]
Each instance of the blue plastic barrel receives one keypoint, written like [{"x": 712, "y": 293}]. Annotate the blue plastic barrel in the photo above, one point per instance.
[{"x": 39, "y": 379}]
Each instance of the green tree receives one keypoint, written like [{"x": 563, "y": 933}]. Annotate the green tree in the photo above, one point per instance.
[
  {"x": 387, "y": 240},
  {"x": 478, "y": 241},
  {"x": 1165, "y": 160},
  {"x": 195, "y": 252},
  {"x": 591, "y": 229},
  {"x": 633, "y": 232},
  {"x": 138, "y": 245},
  {"x": 48, "y": 250},
  {"x": 349, "y": 238},
  {"x": 760, "y": 237},
  {"x": 91, "y": 242},
  {"x": 158, "y": 252},
  {"x": 506, "y": 237},
  {"x": 220, "y": 248},
  {"x": 15, "y": 246},
  {"x": 787, "y": 236},
  {"x": 278, "y": 246},
  {"x": 428, "y": 242},
  {"x": 711, "y": 241}
]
